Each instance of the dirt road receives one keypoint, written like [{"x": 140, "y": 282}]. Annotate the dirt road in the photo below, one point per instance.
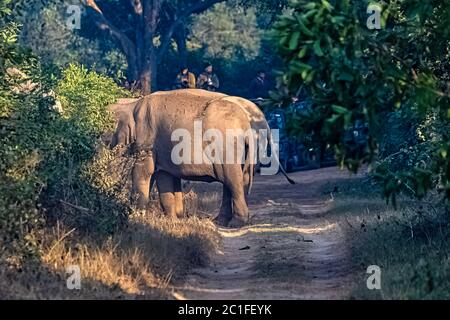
[{"x": 291, "y": 250}]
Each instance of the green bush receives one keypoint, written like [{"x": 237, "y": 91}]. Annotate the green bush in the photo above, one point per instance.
[
  {"x": 45, "y": 150},
  {"x": 84, "y": 96},
  {"x": 45, "y": 32},
  {"x": 352, "y": 73}
]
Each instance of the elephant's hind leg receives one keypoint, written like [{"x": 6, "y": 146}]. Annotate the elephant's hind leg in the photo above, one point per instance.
[
  {"x": 235, "y": 183},
  {"x": 178, "y": 193},
  {"x": 170, "y": 194},
  {"x": 225, "y": 213},
  {"x": 240, "y": 209}
]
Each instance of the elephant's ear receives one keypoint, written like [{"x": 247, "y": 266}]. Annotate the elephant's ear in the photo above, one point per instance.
[
  {"x": 125, "y": 133},
  {"x": 144, "y": 125}
]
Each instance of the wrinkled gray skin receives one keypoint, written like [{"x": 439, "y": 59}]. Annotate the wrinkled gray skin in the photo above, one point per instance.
[{"x": 148, "y": 123}]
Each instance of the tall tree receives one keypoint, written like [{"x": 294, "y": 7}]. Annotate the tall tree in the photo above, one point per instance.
[
  {"x": 236, "y": 34},
  {"x": 353, "y": 72},
  {"x": 45, "y": 32},
  {"x": 144, "y": 30}
]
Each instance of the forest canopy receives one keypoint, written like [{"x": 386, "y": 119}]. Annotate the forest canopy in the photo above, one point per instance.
[{"x": 394, "y": 78}]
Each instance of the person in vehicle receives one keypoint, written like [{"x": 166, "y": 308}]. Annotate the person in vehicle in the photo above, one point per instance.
[
  {"x": 185, "y": 79},
  {"x": 259, "y": 86},
  {"x": 208, "y": 80}
]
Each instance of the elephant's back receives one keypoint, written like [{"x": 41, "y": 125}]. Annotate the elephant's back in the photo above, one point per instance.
[
  {"x": 181, "y": 109},
  {"x": 223, "y": 114},
  {"x": 183, "y": 103},
  {"x": 255, "y": 115}
]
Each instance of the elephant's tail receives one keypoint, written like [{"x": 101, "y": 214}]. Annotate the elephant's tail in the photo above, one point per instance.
[
  {"x": 275, "y": 155},
  {"x": 258, "y": 121}
]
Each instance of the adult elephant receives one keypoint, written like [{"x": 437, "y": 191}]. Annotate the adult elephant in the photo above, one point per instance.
[{"x": 154, "y": 120}]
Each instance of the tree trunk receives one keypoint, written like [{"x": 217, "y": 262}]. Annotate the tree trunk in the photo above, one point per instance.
[
  {"x": 142, "y": 55},
  {"x": 180, "y": 38},
  {"x": 132, "y": 69},
  {"x": 148, "y": 73},
  {"x": 148, "y": 53}
]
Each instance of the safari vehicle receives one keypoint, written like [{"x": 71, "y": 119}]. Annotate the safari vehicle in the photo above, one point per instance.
[
  {"x": 295, "y": 153},
  {"x": 314, "y": 153},
  {"x": 286, "y": 145},
  {"x": 356, "y": 138}
]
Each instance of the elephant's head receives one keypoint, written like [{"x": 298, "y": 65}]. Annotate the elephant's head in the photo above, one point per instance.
[
  {"x": 144, "y": 125},
  {"x": 132, "y": 131},
  {"x": 125, "y": 133},
  {"x": 135, "y": 126}
]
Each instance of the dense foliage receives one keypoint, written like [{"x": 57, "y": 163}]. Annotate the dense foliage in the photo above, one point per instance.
[
  {"x": 353, "y": 73},
  {"x": 229, "y": 34},
  {"x": 44, "y": 147},
  {"x": 235, "y": 36},
  {"x": 44, "y": 30},
  {"x": 230, "y": 38}
]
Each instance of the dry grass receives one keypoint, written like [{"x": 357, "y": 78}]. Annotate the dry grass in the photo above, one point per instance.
[
  {"x": 203, "y": 199},
  {"x": 142, "y": 257},
  {"x": 410, "y": 244},
  {"x": 138, "y": 262}
]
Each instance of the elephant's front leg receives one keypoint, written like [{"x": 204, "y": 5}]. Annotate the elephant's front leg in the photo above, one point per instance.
[
  {"x": 141, "y": 176},
  {"x": 170, "y": 194}
]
